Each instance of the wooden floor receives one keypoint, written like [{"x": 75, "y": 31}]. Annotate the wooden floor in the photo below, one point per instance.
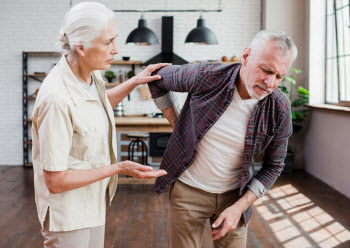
[{"x": 299, "y": 211}]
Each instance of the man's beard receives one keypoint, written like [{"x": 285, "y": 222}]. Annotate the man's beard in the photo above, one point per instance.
[{"x": 254, "y": 93}]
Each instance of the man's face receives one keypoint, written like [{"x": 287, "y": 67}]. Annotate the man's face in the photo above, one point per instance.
[{"x": 263, "y": 71}]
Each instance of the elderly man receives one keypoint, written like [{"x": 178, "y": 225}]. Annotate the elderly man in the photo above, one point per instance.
[{"x": 232, "y": 113}]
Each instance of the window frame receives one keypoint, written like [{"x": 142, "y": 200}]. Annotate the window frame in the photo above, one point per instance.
[{"x": 328, "y": 84}]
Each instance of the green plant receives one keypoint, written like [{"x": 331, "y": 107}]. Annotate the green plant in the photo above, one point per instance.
[
  {"x": 109, "y": 75},
  {"x": 131, "y": 74},
  {"x": 299, "y": 111}
]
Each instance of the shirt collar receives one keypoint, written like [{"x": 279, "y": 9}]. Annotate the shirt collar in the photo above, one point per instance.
[
  {"x": 76, "y": 92},
  {"x": 235, "y": 77}
]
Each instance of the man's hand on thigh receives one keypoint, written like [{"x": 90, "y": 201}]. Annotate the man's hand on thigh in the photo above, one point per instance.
[
  {"x": 231, "y": 215},
  {"x": 230, "y": 218}
]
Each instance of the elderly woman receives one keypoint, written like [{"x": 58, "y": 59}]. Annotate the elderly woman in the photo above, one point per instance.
[{"x": 74, "y": 145}]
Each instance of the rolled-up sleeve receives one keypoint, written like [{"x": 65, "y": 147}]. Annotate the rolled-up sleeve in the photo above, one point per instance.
[
  {"x": 257, "y": 187},
  {"x": 55, "y": 134},
  {"x": 165, "y": 101}
]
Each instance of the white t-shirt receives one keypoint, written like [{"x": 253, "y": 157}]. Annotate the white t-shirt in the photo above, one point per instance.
[
  {"x": 92, "y": 90},
  {"x": 218, "y": 164}
]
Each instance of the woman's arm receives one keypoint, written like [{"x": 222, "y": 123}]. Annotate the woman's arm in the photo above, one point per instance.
[
  {"x": 118, "y": 93},
  {"x": 61, "y": 181},
  {"x": 53, "y": 129}
]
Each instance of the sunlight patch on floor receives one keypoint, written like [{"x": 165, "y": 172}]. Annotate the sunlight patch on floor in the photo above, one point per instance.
[{"x": 296, "y": 221}]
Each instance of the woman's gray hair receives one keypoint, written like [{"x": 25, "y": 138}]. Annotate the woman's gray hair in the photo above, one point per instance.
[
  {"x": 83, "y": 23},
  {"x": 283, "y": 41}
]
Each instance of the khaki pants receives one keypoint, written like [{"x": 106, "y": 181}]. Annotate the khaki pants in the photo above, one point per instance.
[
  {"x": 189, "y": 208},
  {"x": 92, "y": 237}
]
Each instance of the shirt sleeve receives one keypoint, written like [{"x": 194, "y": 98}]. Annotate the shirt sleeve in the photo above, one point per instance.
[
  {"x": 55, "y": 134},
  {"x": 174, "y": 78},
  {"x": 274, "y": 156},
  {"x": 257, "y": 187},
  {"x": 165, "y": 101}
]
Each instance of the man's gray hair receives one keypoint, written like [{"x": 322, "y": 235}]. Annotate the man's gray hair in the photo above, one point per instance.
[
  {"x": 283, "y": 41},
  {"x": 83, "y": 23}
]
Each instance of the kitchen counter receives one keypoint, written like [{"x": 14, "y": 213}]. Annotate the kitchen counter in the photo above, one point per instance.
[{"x": 142, "y": 124}]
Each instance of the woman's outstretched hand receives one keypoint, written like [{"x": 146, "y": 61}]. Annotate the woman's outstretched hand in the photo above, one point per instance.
[
  {"x": 145, "y": 76},
  {"x": 138, "y": 171}
]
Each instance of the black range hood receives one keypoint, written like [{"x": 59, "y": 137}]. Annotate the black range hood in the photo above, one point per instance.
[{"x": 167, "y": 55}]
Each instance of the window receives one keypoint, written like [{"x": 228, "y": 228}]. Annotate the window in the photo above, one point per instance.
[{"x": 338, "y": 52}]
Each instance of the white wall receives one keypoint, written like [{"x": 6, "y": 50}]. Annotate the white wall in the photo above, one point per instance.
[
  {"x": 24, "y": 26},
  {"x": 327, "y": 155},
  {"x": 292, "y": 17},
  {"x": 34, "y": 25}
]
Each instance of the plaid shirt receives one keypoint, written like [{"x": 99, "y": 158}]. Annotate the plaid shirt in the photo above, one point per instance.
[{"x": 210, "y": 90}]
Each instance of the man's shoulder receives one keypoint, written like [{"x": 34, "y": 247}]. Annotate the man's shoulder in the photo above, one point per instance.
[
  {"x": 214, "y": 68},
  {"x": 280, "y": 99}
]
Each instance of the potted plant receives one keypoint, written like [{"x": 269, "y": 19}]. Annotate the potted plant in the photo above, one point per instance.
[
  {"x": 298, "y": 113},
  {"x": 131, "y": 74},
  {"x": 109, "y": 75}
]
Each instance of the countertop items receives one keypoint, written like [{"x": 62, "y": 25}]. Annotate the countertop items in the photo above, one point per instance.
[
  {"x": 145, "y": 93},
  {"x": 142, "y": 124}
]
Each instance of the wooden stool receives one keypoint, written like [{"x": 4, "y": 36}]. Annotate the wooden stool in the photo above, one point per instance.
[{"x": 137, "y": 142}]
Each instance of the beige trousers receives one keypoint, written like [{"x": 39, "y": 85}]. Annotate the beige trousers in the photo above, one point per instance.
[
  {"x": 92, "y": 237},
  {"x": 189, "y": 208}
]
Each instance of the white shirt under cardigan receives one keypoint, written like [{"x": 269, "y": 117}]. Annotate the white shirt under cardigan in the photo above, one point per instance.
[
  {"x": 92, "y": 90},
  {"x": 218, "y": 164}
]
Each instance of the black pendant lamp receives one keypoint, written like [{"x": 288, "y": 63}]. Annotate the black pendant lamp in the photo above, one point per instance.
[
  {"x": 201, "y": 34},
  {"x": 142, "y": 35}
]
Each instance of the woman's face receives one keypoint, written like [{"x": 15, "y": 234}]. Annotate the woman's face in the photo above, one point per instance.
[{"x": 101, "y": 55}]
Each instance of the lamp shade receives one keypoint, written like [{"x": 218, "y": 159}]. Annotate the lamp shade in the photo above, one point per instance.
[
  {"x": 201, "y": 34},
  {"x": 142, "y": 35}
]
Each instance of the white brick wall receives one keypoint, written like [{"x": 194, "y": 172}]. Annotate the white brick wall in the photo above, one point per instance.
[{"x": 34, "y": 25}]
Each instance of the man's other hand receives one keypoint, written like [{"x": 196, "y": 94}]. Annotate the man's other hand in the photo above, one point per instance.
[{"x": 229, "y": 219}]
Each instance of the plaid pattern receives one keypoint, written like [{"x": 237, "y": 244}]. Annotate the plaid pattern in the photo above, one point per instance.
[{"x": 210, "y": 90}]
